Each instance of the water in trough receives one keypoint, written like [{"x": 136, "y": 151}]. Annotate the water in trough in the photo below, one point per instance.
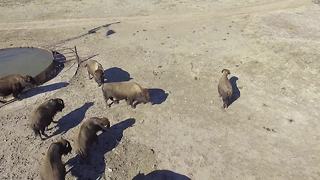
[{"x": 26, "y": 61}]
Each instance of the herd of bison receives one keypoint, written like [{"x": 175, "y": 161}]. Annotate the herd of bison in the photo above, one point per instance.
[{"x": 52, "y": 167}]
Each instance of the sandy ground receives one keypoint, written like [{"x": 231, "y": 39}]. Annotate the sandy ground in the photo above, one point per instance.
[{"x": 272, "y": 48}]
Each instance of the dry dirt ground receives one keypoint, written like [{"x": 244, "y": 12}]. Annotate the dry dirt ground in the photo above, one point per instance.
[{"x": 272, "y": 48}]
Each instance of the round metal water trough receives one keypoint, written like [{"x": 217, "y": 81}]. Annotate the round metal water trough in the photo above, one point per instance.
[{"x": 36, "y": 62}]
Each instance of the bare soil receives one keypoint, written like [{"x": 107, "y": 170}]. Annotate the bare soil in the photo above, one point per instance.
[{"x": 271, "y": 47}]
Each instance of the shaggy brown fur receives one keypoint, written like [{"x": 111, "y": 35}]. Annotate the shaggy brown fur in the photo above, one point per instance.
[
  {"x": 53, "y": 168},
  {"x": 95, "y": 69},
  {"x": 225, "y": 88},
  {"x": 43, "y": 115},
  {"x": 14, "y": 84},
  {"x": 88, "y": 134},
  {"x": 132, "y": 92}
]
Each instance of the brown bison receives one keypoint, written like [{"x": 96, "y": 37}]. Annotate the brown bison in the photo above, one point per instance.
[
  {"x": 225, "y": 88},
  {"x": 43, "y": 115},
  {"x": 132, "y": 92},
  {"x": 53, "y": 168},
  {"x": 14, "y": 84},
  {"x": 88, "y": 133},
  {"x": 95, "y": 69}
]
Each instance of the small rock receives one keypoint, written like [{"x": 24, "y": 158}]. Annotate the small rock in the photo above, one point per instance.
[{"x": 154, "y": 73}]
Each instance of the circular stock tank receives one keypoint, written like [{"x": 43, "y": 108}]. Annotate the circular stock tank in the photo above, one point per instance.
[{"x": 36, "y": 62}]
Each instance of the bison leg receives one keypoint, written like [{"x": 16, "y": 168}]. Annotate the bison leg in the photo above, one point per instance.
[
  {"x": 225, "y": 103},
  {"x": 16, "y": 96},
  {"x": 36, "y": 133},
  {"x": 116, "y": 101},
  {"x": 2, "y": 100},
  {"x": 43, "y": 133},
  {"x": 112, "y": 101},
  {"x": 89, "y": 75},
  {"x": 106, "y": 98},
  {"x": 130, "y": 102},
  {"x": 134, "y": 104}
]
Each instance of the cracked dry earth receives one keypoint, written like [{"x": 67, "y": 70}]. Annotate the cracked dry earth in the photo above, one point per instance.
[{"x": 271, "y": 47}]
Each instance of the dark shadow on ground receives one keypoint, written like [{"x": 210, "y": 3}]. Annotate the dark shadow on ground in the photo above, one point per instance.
[
  {"x": 72, "y": 119},
  {"x": 53, "y": 70},
  {"x": 43, "y": 89},
  {"x": 161, "y": 175},
  {"x": 116, "y": 74},
  {"x": 235, "y": 89},
  {"x": 157, "y": 96},
  {"x": 110, "y": 32},
  {"x": 94, "y": 166}
]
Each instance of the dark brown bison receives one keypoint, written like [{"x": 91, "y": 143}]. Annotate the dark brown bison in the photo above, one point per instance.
[
  {"x": 43, "y": 115},
  {"x": 52, "y": 167},
  {"x": 14, "y": 84},
  {"x": 88, "y": 133}
]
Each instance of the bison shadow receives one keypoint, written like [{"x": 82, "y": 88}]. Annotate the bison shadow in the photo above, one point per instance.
[
  {"x": 116, "y": 74},
  {"x": 95, "y": 165},
  {"x": 157, "y": 96},
  {"x": 72, "y": 119},
  {"x": 235, "y": 89},
  {"x": 43, "y": 89},
  {"x": 161, "y": 175}
]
